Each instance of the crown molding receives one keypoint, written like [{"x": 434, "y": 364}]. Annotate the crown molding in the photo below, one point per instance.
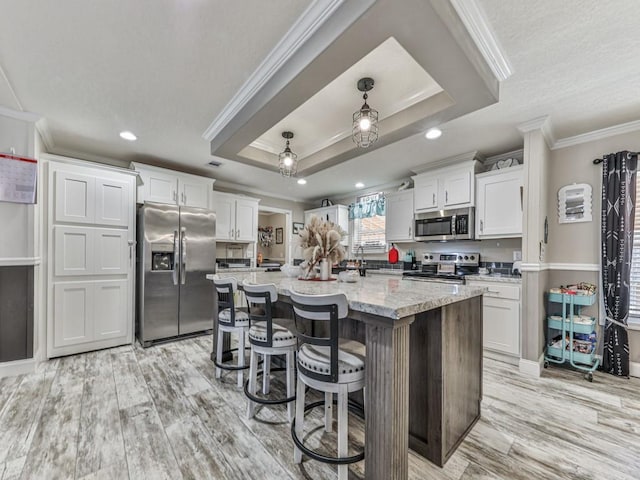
[
  {"x": 474, "y": 19},
  {"x": 25, "y": 116},
  {"x": 305, "y": 26},
  {"x": 3, "y": 75},
  {"x": 449, "y": 162},
  {"x": 597, "y": 135},
  {"x": 42, "y": 127},
  {"x": 540, "y": 123}
]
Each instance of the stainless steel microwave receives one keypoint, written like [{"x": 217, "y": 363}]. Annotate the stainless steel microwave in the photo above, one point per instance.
[{"x": 444, "y": 225}]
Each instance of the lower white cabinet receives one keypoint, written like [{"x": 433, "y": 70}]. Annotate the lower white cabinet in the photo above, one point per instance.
[
  {"x": 500, "y": 317},
  {"x": 87, "y": 312}
]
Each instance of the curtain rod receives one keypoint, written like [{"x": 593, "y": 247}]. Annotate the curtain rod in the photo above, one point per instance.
[{"x": 598, "y": 161}]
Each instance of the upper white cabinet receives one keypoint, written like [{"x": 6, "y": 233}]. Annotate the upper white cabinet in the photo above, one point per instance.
[
  {"x": 161, "y": 185},
  {"x": 337, "y": 214},
  {"x": 236, "y": 217},
  {"x": 444, "y": 188},
  {"x": 399, "y": 216},
  {"x": 499, "y": 203}
]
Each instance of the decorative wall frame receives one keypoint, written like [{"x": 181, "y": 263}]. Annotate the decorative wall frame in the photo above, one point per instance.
[
  {"x": 575, "y": 203},
  {"x": 279, "y": 235},
  {"x": 297, "y": 227}
]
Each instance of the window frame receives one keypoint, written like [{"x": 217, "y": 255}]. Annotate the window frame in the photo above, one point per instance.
[{"x": 355, "y": 228}]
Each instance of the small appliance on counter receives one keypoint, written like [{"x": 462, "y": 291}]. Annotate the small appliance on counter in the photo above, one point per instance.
[{"x": 445, "y": 267}]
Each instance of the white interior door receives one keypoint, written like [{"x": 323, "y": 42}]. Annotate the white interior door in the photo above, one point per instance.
[
  {"x": 73, "y": 313},
  {"x": 113, "y": 201},
  {"x": 74, "y": 197},
  {"x": 112, "y": 253},
  {"x": 111, "y": 313},
  {"x": 73, "y": 251}
]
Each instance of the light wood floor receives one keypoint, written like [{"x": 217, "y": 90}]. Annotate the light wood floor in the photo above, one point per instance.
[{"x": 160, "y": 413}]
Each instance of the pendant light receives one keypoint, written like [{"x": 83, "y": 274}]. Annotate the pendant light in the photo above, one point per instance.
[
  {"x": 288, "y": 159},
  {"x": 365, "y": 120}
]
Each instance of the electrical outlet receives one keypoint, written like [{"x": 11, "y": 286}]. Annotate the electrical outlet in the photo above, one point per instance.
[{"x": 517, "y": 255}]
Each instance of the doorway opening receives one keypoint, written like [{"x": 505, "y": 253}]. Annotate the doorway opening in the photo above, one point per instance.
[{"x": 274, "y": 237}]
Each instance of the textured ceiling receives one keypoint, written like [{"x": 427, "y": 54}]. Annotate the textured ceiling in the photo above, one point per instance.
[{"x": 164, "y": 69}]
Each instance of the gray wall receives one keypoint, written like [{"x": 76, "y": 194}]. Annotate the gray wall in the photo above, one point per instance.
[{"x": 579, "y": 242}]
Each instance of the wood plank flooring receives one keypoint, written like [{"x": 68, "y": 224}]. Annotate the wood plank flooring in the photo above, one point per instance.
[{"x": 159, "y": 413}]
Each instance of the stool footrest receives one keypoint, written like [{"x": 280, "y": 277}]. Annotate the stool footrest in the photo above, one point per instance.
[
  {"x": 355, "y": 408},
  {"x": 266, "y": 401},
  {"x": 225, "y": 366}
]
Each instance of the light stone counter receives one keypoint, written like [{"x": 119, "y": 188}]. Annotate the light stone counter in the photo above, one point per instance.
[
  {"x": 241, "y": 269},
  {"x": 379, "y": 295},
  {"x": 495, "y": 278}
]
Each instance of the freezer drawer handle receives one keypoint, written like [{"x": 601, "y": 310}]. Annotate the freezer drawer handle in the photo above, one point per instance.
[
  {"x": 174, "y": 274},
  {"x": 183, "y": 248}
]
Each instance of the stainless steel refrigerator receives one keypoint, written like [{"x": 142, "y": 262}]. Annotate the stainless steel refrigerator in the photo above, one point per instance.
[{"x": 176, "y": 249}]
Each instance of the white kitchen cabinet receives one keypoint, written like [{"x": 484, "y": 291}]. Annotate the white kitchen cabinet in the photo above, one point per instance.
[
  {"x": 236, "y": 218},
  {"x": 162, "y": 185},
  {"x": 499, "y": 203},
  {"x": 500, "y": 317},
  {"x": 91, "y": 248},
  {"x": 337, "y": 214},
  {"x": 399, "y": 216},
  {"x": 445, "y": 188}
]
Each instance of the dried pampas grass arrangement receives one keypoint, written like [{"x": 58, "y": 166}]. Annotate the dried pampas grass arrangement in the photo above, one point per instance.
[{"x": 320, "y": 239}]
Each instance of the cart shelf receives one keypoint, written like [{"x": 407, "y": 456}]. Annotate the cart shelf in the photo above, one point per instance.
[{"x": 566, "y": 321}]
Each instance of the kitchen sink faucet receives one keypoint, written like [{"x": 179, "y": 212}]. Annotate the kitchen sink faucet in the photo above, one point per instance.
[{"x": 361, "y": 269}]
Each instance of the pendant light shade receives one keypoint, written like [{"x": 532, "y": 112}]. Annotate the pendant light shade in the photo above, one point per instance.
[
  {"x": 365, "y": 120},
  {"x": 288, "y": 159}
]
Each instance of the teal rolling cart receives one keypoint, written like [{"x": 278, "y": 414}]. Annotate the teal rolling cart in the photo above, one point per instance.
[{"x": 570, "y": 334}]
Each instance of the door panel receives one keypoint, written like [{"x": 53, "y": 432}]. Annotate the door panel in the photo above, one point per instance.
[
  {"x": 74, "y": 197},
  {"x": 159, "y": 299},
  {"x": 74, "y": 252},
  {"x": 111, "y": 313},
  {"x": 500, "y": 205},
  {"x": 399, "y": 217},
  {"x": 73, "y": 313},
  {"x": 426, "y": 194},
  {"x": 112, "y": 252},
  {"x": 501, "y": 325},
  {"x": 225, "y": 218},
  {"x": 161, "y": 188},
  {"x": 194, "y": 192},
  {"x": 457, "y": 189},
  {"x": 246, "y": 220},
  {"x": 113, "y": 199},
  {"x": 198, "y": 228}
]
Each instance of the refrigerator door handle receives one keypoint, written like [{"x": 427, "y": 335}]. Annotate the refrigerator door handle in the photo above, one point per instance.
[
  {"x": 176, "y": 249},
  {"x": 183, "y": 255}
]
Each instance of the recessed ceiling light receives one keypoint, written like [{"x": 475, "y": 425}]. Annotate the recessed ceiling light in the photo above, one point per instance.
[
  {"x": 433, "y": 133},
  {"x": 359, "y": 185},
  {"x": 127, "y": 135},
  {"x": 302, "y": 181}
]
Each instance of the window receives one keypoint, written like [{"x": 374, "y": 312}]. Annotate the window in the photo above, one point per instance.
[{"x": 368, "y": 214}]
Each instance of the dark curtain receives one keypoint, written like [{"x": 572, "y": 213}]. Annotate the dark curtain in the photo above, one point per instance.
[{"x": 618, "y": 213}]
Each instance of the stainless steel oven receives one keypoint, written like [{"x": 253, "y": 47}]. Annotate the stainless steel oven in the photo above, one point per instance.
[{"x": 444, "y": 225}]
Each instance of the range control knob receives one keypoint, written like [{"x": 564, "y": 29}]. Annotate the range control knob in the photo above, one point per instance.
[
  {"x": 459, "y": 257},
  {"x": 473, "y": 257},
  {"x": 466, "y": 257}
]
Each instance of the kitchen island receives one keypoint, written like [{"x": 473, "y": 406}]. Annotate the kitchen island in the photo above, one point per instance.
[{"x": 423, "y": 363}]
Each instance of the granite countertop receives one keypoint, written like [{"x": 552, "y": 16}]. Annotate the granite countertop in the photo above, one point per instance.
[
  {"x": 387, "y": 271},
  {"x": 381, "y": 295},
  {"x": 516, "y": 279},
  {"x": 241, "y": 269}
]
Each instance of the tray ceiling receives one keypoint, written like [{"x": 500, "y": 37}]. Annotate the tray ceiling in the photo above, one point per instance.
[{"x": 427, "y": 70}]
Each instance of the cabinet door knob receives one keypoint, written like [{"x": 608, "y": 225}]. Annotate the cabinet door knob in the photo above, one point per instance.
[
  {"x": 434, "y": 199},
  {"x": 175, "y": 196},
  {"x": 481, "y": 226},
  {"x": 446, "y": 196}
]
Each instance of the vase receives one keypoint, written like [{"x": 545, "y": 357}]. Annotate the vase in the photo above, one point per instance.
[{"x": 325, "y": 269}]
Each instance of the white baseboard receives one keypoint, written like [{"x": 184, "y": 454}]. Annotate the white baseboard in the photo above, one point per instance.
[
  {"x": 634, "y": 369},
  {"x": 530, "y": 367},
  {"x": 18, "y": 367}
]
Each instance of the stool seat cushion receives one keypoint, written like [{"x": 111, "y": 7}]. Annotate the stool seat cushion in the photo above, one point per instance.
[
  {"x": 351, "y": 360},
  {"x": 242, "y": 318},
  {"x": 282, "y": 336}
]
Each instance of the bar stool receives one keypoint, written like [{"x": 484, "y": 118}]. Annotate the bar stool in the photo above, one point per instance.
[
  {"x": 330, "y": 365},
  {"x": 233, "y": 321},
  {"x": 268, "y": 336}
]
